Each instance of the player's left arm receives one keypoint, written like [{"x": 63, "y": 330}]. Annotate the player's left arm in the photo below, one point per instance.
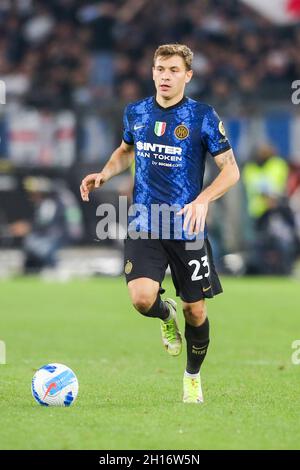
[
  {"x": 196, "y": 211},
  {"x": 228, "y": 177}
]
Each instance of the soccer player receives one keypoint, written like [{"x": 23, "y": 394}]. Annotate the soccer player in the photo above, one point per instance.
[{"x": 169, "y": 136}]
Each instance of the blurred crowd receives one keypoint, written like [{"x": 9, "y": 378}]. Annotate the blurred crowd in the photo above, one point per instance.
[
  {"x": 85, "y": 55},
  {"x": 60, "y": 54},
  {"x": 272, "y": 196}
]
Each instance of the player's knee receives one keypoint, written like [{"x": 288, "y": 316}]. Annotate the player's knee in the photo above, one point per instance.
[
  {"x": 195, "y": 314},
  {"x": 142, "y": 302},
  {"x": 143, "y": 294}
]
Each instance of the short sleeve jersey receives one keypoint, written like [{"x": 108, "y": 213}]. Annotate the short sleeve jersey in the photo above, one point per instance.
[{"x": 171, "y": 145}]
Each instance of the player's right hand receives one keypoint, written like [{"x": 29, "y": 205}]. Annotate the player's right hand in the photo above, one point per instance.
[{"x": 90, "y": 182}]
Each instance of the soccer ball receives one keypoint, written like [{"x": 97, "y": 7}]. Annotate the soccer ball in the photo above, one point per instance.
[{"x": 54, "y": 385}]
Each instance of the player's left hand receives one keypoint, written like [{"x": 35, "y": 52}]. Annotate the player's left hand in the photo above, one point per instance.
[{"x": 194, "y": 215}]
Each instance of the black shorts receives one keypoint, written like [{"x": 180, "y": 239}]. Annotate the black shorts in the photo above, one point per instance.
[{"x": 193, "y": 272}]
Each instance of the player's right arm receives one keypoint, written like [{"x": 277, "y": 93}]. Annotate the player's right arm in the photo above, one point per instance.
[{"x": 120, "y": 160}]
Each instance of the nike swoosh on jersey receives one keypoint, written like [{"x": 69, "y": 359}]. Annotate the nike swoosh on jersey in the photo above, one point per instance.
[{"x": 135, "y": 128}]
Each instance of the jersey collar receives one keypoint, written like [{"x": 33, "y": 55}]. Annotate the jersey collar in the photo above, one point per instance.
[{"x": 176, "y": 105}]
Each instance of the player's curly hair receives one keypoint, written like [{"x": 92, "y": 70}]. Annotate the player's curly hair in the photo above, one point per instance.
[{"x": 167, "y": 50}]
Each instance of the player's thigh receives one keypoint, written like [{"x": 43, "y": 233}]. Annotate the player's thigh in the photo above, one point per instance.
[
  {"x": 143, "y": 291},
  {"x": 144, "y": 258},
  {"x": 193, "y": 271}
]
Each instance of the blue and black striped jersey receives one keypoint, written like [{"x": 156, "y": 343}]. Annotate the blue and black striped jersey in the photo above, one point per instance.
[{"x": 171, "y": 145}]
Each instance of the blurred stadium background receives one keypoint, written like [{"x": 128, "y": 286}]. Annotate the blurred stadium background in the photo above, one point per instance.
[{"x": 70, "y": 67}]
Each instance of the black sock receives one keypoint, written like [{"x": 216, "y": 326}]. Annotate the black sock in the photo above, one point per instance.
[
  {"x": 197, "y": 341},
  {"x": 159, "y": 309}
]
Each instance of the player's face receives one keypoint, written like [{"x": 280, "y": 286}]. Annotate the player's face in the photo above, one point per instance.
[{"x": 170, "y": 76}]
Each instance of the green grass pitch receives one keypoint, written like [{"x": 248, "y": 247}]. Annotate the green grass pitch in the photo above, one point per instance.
[{"x": 130, "y": 390}]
